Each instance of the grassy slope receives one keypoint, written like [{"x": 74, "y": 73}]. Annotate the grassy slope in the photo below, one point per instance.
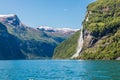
[{"x": 67, "y": 48}]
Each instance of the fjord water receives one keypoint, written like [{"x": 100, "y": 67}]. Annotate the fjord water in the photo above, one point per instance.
[{"x": 59, "y": 70}]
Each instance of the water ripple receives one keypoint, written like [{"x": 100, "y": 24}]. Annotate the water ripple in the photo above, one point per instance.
[{"x": 59, "y": 70}]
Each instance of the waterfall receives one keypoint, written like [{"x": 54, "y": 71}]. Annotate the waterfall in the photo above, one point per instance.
[{"x": 80, "y": 45}]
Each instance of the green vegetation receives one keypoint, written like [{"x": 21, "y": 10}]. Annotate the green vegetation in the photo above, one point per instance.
[
  {"x": 27, "y": 33},
  {"x": 102, "y": 15},
  {"x": 33, "y": 44},
  {"x": 67, "y": 48},
  {"x": 18, "y": 41},
  {"x": 106, "y": 49},
  {"x": 103, "y": 24}
]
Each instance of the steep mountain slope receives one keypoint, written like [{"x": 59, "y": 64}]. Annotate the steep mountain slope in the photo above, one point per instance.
[
  {"x": 101, "y": 31},
  {"x": 67, "y": 48},
  {"x": 104, "y": 27},
  {"x": 34, "y": 43},
  {"x": 32, "y": 40},
  {"x": 9, "y": 45}
]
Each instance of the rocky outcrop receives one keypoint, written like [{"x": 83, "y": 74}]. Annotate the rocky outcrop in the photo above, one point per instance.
[{"x": 11, "y": 19}]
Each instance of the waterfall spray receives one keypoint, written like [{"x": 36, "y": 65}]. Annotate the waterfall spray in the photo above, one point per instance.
[{"x": 80, "y": 45}]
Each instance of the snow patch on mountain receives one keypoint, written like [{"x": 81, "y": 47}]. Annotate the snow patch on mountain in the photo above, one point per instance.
[
  {"x": 11, "y": 19},
  {"x": 51, "y": 29},
  {"x": 7, "y": 15}
]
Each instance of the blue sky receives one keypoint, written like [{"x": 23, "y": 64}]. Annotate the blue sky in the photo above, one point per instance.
[{"x": 53, "y": 13}]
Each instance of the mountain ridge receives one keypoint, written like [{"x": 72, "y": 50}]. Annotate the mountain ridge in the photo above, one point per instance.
[{"x": 33, "y": 43}]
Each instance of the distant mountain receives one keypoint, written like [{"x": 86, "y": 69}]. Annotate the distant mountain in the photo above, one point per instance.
[
  {"x": 58, "y": 34},
  {"x": 57, "y": 30},
  {"x": 34, "y": 43}
]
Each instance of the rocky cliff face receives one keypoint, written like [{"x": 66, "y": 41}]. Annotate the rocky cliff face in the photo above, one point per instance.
[
  {"x": 101, "y": 31},
  {"x": 9, "y": 45}
]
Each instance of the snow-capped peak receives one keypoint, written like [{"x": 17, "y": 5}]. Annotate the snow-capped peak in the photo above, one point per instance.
[
  {"x": 8, "y": 15},
  {"x": 63, "y": 32},
  {"x": 11, "y": 19},
  {"x": 46, "y": 28}
]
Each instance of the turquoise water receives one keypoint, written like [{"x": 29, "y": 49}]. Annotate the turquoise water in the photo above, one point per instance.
[{"x": 59, "y": 70}]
